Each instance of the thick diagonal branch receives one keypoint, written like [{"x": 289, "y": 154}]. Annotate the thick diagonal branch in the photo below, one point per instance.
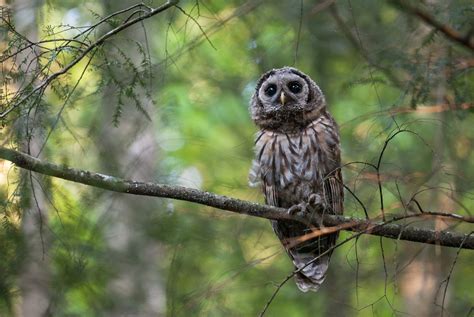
[
  {"x": 387, "y": 229},
  {"x": 448, "y": 31}
]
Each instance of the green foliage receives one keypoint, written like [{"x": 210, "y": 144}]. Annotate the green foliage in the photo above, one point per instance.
[
  {"x": 11, "y": 251},
  {"x": 382, "y": 71}
]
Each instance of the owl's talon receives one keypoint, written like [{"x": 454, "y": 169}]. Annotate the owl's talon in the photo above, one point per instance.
[
  {"x": 315, "y": 200},
  {"x": 298, "y": 210}
]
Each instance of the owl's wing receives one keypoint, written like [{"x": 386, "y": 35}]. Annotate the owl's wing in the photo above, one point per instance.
[
  {"x": 271, "y": 197},
  {"x": 334, "y": 191},
  {"x": 255, "y": 180},
  {"x": 254, "y": 174}
]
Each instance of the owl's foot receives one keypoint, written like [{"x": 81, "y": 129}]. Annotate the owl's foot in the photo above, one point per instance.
[
  {"x": 303, "y": 209},
  {"x": 299, "y": 210},
  {"x": 316, "y": 201}
]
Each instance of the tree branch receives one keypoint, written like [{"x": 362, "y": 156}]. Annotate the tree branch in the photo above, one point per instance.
[
  {"x": 101, "y": 40},
  {"x": 450, "y": 32},
  {"x": 386, "y": 229}
]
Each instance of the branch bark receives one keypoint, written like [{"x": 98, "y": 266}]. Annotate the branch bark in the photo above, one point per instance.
[{"x": 388, "y": 229}]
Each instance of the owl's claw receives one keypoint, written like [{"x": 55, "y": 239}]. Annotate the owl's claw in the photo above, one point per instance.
[
  {"x": 315, "y": 200},
  {"x": 299, "y": 210}
]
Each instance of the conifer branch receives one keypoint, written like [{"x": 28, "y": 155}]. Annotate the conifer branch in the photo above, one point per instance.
[
  {"x": 100, "y": 41},
  {"x": 448, "y": 31}
]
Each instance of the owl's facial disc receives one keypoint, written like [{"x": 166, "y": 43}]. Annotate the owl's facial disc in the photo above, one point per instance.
[
  {"x": 284, "y": 92},
  {"x": 286, "y": 99}
]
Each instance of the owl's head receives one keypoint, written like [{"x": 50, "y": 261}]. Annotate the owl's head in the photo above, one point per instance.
[{"x": 286, "y": 99}]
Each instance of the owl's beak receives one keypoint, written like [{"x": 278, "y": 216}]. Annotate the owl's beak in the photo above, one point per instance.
[{"x": 282, "y": 98}]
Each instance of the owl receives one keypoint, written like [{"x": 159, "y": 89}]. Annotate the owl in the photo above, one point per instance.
[{"x": 297, "y": 162}]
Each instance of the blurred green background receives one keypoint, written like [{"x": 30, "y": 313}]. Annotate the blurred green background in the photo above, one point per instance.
[{"x": 159, "y": 102}]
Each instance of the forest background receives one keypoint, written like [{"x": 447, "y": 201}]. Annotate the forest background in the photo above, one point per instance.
[{"x": 165, "y": 100}]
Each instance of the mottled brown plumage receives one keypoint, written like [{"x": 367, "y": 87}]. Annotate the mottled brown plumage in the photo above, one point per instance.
[{"x": 297, "y": 159}]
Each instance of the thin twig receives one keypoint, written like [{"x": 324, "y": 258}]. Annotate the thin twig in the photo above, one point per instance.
[
  {"x": 379, "y": 162},
  {"x": 199, "y": 26},
  {"x": 298, "y": 36},
  {"x": 448, "y": 278}
]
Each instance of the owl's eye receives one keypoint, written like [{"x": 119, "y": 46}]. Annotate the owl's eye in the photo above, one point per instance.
[
  {"x": 271, "y": 90},
  {"x": 295, "y": 87}
]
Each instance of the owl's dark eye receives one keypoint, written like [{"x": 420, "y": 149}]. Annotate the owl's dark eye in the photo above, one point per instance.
[
  {"x": 271, "y": 90},
  {"x": 295, "y": 87}
]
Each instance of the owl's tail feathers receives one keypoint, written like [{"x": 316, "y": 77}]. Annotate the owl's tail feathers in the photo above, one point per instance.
[{"x": 311, "y": 275}]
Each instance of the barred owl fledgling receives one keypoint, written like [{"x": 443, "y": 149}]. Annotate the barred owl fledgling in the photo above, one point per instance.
[{"x": 297, "y": 161}]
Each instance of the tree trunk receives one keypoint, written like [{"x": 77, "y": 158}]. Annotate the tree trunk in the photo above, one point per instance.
[
  {"x": 34, "y": 280},
  {"x": 130, "y": 150}
]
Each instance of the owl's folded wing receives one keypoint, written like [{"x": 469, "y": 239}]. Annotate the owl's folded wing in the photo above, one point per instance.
[
  {"x": 254, "y": 174},
  {"x": 334, "y": 192}
]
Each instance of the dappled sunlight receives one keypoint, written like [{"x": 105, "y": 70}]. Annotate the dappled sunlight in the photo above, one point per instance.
[{"x": 108, "y": 95}]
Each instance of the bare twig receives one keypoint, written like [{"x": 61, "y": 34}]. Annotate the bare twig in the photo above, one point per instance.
[
  {"x": 387, "y": 229},
  {"x": 379, "y": 162},
  {"x": 420, "y": 109},
  {"x": 289, "y": 276},
  {"x": 242, "y": 10},
  {"x": 448, "y": 278},
  {"x": 367, "y": 230},
  {"x": 199, "y": 26},
  {"x": 298, "y": 36}
]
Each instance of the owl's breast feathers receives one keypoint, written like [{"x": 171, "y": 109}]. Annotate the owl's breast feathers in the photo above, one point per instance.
[{"x": 292, "y": 166}]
